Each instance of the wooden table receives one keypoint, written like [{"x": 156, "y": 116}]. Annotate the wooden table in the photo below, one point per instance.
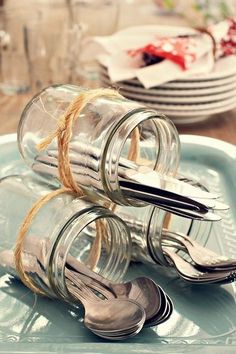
[
  {"x": 221, "y": 126},
  {"x": 132, "y": 13}
]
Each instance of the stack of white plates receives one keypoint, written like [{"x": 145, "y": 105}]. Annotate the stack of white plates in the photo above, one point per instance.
[{"x": 190, "y": 100}]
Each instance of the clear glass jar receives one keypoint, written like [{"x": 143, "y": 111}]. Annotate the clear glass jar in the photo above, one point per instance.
[
  {"x": 101, "y": 137},
  {"x": 148, "y": 225},
  {"x": 58, "y": 231}
]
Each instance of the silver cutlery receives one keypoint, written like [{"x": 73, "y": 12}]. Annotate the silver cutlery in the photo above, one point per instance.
[
  {"x": 113, "y": 319},
  {"x": 175, "y": 207},
  {"x": 200, "y": 255},
  {"x": 164, "y": 312},
  {"x": 191, "y": 273},
  {"x": 142, "y": 290},
  {"x": 188, "y": 208},
  {"x": 139, "y": 183},
  {"x": 130, "y": 171},
  {"x": 156, "y": 305}
]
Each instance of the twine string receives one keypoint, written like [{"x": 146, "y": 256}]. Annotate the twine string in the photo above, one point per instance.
[
  {"x": 214, "y": 44},
  {"x": 64, "y": 133},
  {"x": 22, "y": 233}
]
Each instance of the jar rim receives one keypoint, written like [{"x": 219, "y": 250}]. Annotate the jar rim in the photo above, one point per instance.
[
  {"x": 113, "y": 147},
  {"x": 70, "y": 232}
]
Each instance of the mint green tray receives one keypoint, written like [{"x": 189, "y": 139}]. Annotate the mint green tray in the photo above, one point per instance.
[{"x": 204, "y": 319}]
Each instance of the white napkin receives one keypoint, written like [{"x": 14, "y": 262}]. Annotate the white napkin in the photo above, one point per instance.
[
  {"x": 157, "y": 74},
  {"x": 111, "y": 51}
]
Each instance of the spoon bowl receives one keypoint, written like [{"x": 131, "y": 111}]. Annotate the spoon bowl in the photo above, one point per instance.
[
  {"x": 115, "y": 316},
  {"x": 142, "y": 290}
]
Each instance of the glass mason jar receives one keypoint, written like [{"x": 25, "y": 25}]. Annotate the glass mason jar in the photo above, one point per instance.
[
  {"x": 149, "y": 224},
  {"x": 58, "y": 234},
  {"x": 101, "y": 138}
]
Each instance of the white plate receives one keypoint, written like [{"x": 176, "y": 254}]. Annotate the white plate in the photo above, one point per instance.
[
  {"x": 171, "y": 92},
  {"x": 192, "y": 83},
  {"x": 178, "y": 100},
  {"x": 224, "y": 67},
  {"x": 192, "y": 113},
  {"x": 184, "y": 107},
  {"x": 193, "y": 116},
  {"x": 178, "y": 84},
  {"x": 198, "y": 108},
  {"x": 189, "y": 84},
  {"x": 197, "y": 84}
]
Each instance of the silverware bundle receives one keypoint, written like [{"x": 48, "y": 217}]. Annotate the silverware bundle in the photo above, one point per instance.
[
  {"x": 202, "y": 265},
  {"x": 112, "y": 310},
  {"x": 138, "y": 183},
  {"x": 192, "y": 261},
  {"x": 100, "y": 165},
  {"x": 176, "y": 196},
  {"x": 170, "y": 247}
]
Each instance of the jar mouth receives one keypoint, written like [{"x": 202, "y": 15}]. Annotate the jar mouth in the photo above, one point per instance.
[
  {"x": 162, "y": 221},
  {"x": 75, "y": 241},
  {"x": 111, "y": 157},
  {"x": 162, "y": 149}
]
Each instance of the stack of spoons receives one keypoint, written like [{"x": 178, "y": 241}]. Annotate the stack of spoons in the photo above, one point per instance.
[
  {"x": 113, "y": 311},
  {"x": 127, "y": 306}
]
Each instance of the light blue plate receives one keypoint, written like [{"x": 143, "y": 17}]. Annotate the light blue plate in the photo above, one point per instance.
[{"x": 204, "y": 319}]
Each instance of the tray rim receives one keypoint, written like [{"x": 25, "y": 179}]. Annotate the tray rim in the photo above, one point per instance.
[{"x": 184, "y": 138}]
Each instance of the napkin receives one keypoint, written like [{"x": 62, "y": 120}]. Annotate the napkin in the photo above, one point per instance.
[
  {"x": 224, "y": 34},
  {"x": 113, "y": 53}
]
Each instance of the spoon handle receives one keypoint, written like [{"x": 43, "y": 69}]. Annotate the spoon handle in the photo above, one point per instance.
[
  {"x": 80, "y": 268},
  {"x": 78, "y": 289},
  {"x": 95, "y": 285}
]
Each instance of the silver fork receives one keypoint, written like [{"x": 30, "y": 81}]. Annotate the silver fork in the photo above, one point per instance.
[
  {"x": 191, "y": 273},
  {"x": 200, "y": 255}
]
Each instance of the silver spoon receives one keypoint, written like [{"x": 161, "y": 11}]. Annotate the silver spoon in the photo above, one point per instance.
[
  {"x": 113, "y": 319},
  {"x": 164, "y": 313},
  {"x": 158, "y": 312},
  {"x": 143, "y": 290}
]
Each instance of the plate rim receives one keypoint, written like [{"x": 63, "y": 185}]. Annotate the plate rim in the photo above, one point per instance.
[
  {"x": 158, "y": 98},
  {"x": 173, "y": 85},
  {"x": 174, "y": 92}
]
